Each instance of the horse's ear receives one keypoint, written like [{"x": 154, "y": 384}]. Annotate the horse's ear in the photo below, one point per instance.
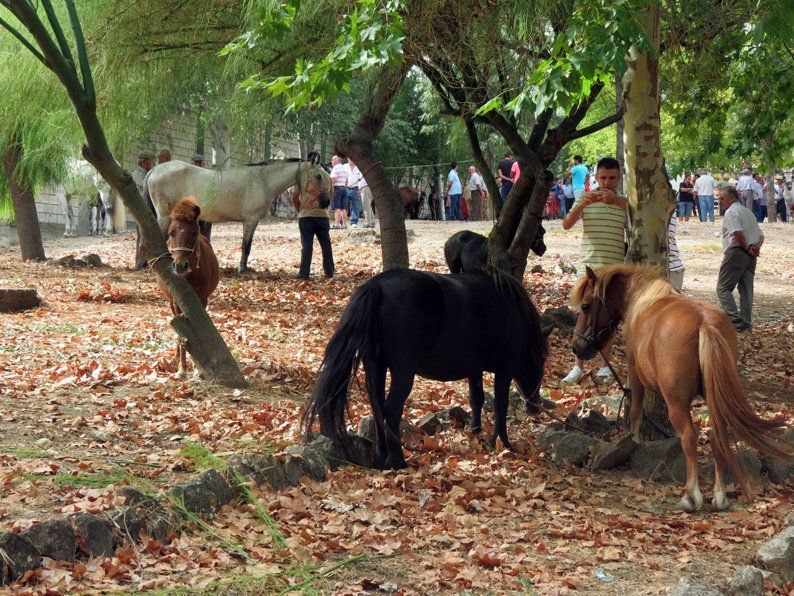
[{"x": 590, "y": 274}]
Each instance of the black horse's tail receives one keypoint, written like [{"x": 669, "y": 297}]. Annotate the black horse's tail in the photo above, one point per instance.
[{"x": 351, "y": 343}]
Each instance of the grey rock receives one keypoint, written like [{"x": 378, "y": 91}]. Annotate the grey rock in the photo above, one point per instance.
[
  {"x": 564, "y": 318},
  {"x": 660, "y": 460},
  {"x": 749, "y": 463},
  {"x": 457, "y": 416},
  {"x": 429, "y": 424},
  {"x": 293, "y": 470},
  {"x": 747, "y": 581},
  {"x": 206, "y": 493},
  {"x": 773, "y": 578},
  {"x": 93, "y": 260},
  {"x": 566, "y": 447},
  {"x": 778, "y": 470},
  {"x": 43, "y": 442},
  {"x": 95, "y": 535},
  {"x": 53, "y": 538},
  {"x": 19, "y": 556},
  {"x": 325, "y": 447},
  {"x": 313, "y": 463},
  {"x": 536, "y": 269},
  {"x": 611, "y": 402},
  {"x": 14, "y": 299},
  {"x": 367, "y": 428},
  {"x": 159, "y": 522},
  {"x": 596, "y": 422},
  {"x": 364, "y": 451},
  {"x": 777, "y": 554},
  {"x": 573, "y": 421},
  {"x": 130, "y": 523},
  {"x": 612, "y": 455},
  {"x": 692, "y": 587},
  {"x": 259, "y": 469}
]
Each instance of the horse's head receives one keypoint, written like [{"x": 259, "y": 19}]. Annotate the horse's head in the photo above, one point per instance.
[
  {"x": 598, "y": 318},
  {"x": 315, "y": 182},
  {"x": 184, "y": 235},
  {"x": 538, "y": 246}
]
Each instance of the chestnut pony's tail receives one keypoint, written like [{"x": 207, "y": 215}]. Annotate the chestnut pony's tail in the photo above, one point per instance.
[{"x": 729, "y": 408}]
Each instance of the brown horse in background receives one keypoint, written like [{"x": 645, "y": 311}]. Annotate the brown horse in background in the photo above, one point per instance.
[
  {"x": 680, "y": 348},
  {"x": 412, "y": 201},
  {"x": 194, "y": 259}
]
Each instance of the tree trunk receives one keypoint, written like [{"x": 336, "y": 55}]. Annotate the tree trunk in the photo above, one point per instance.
[
  {"x": 388, "y": 202},
  {"x": 23, "y": 202},
  {"x": 201, "y": 132},
  {"x": 619, "y": 145},
  {"x": 267, "y": 150},
  {"x": 219, "y": 131},
  {"x": 650, "y": 197},
  {"x": 528, "y": 226},
  {"x": 482, "y": 163}
]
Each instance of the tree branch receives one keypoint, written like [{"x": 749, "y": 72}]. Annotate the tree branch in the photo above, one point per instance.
[
  {"x": 595, "y": 127},
  {"x": 58, "y": 31},
  {"x": 82, "y": 53},
  {"x": 31, "y": 48}
]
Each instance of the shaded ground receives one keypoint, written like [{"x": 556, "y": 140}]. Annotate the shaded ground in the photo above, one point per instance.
[{"x": 88, "y": 403}]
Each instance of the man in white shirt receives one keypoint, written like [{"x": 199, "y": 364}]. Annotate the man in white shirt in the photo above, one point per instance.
[
  {"x": 475, "y": 186},
  {"x": 704, "y": 187},
  {"x": 339, "y": 173},
  {"x": 354, "y": 179},
  {"x": 759, "y": 203},
  {"x": 745, "y": 187},
  {"x": 741, "y": 245}
]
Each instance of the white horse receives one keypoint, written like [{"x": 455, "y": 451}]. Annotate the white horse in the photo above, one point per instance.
[
  {"x": 238, "y": 194},
  {"x": 82, "y": 181}
]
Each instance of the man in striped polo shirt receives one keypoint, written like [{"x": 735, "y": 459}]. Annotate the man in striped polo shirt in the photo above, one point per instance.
[{"x": 603, "y": 215}]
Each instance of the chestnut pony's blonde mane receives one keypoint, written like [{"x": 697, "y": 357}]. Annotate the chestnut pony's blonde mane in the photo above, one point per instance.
[
  {"x": 645, "y": 286},
  {"x": 185, "y": 209}
]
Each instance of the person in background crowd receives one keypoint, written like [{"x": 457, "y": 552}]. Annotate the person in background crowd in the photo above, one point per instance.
[
  {"x": 579, "y": 175},
  {"x": 198, "y": 160},
  {"x": 604, "y": 217},
  {"x": 741, "y": 244},
  {"x": 731, "y": 180},
  {"x": 454, "y": 193},
  {"x": 704, "y": 187},
  {"x": 788, "y": 197},
  {"x": 567, "y": 191},
  {"x": 476, "y": 186},
  {"x": 686, "y": 198},
  {"x": 353, "y": 193},
  {"x": 560, "y": 194},
  {"x": 759, "y": 204},
  {"x": 780, "y": 202},
  {"x": 163, "y": 156},
  {"x": 367, "y": 201},
  {"x": 695, "y": 206},
  {"x": 313, "y": 221},
  {"x": 138, "y": 176},
  {"x": 744, "y": 185},
  {"x": 515, "y": 172},
  {"x": 339, "y": 173},
  {"x": 676, "y": 274},
  {"x": 506, "y": 180}
]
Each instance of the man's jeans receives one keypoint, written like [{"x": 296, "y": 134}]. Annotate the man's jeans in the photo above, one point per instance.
[
  {"x": 706, "y": 203},
  {"x": 354, "y": 201},
  {"x": 738, "y": 268},
  {"x": 309, "y": 228},
  {"x": 455, "y": 211}
]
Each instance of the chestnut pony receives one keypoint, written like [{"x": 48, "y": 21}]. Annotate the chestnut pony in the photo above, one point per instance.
[
  {"x": 680, "y": 348},
  {"x": 193, "y": 257}
]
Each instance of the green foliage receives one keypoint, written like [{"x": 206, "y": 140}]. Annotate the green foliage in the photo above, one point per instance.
[{"x": 372, "y": 35}]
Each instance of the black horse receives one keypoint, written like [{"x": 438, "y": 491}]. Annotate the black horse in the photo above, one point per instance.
[
  {"x": 442, "y": 327},
  {"x": 468, "y": 251}
]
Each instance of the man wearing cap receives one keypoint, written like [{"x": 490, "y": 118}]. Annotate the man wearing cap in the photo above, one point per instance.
[
  {"x": 198, "y": 160},
  {"x": 139, "y": 176}
]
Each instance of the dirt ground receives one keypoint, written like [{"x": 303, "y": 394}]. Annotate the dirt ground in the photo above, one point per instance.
[{"x": 89, "y": 402}]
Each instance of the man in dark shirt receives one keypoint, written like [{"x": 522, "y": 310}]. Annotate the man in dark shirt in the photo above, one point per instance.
[
  {"x": 686, "y": 198},
  {"x": 503, "y": 171}
]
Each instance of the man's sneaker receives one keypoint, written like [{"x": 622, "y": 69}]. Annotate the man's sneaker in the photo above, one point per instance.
[
  {"x": 573, "y": 376},
  {"x": 604, "y": 374}
]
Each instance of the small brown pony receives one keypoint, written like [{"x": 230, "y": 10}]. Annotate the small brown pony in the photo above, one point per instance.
[
  {"x": 193, "y": 257},
  {"x": 680, "y": 348}
]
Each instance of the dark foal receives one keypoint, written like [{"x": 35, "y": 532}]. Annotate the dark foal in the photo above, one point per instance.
[
  {"x": 194, "y": 259},
  {"x": 468, "y": 251},
  {"x": 442, "y": 327}
]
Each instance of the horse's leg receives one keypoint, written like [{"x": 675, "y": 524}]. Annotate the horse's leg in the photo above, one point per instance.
[
  {"x": 249, "y": 227},
  {"x": 637, "y": 398},
  {"x": 401, "y": 384},
  {"x": 476, "y": 399},
  {"x": 376, "y": 387},
  {"x": 720, "y": 500},
  {"x": 501, "y": 392},
  {"x": 678, "y": 408}
]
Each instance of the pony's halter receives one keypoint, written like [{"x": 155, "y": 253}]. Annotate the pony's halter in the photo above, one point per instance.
[
  {"x": 196, "y": 247},
  {"x": 594, "y": 338}
]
